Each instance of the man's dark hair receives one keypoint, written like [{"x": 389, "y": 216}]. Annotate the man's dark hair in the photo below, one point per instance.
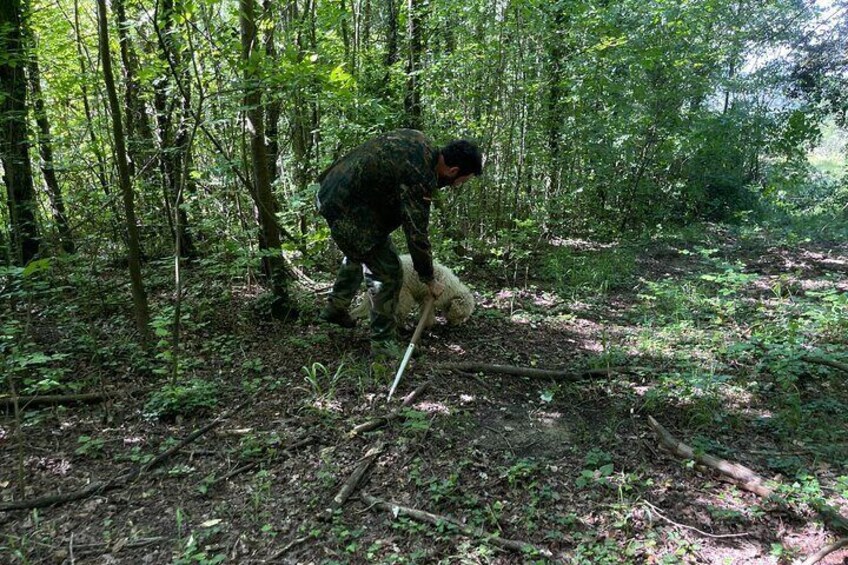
[{"x": 465, "y": 155}]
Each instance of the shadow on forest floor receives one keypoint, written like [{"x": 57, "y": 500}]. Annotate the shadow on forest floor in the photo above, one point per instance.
[{"x": 713, "y": 337}]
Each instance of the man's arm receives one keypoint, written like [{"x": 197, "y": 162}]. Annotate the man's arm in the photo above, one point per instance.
[{"x": 415, "y": 207}]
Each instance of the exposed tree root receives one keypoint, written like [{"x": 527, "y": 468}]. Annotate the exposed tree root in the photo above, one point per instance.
[{"x": 437, "y": 520}]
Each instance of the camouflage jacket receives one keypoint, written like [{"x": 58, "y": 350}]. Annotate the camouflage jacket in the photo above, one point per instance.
[{"x": 383, "y": 184}]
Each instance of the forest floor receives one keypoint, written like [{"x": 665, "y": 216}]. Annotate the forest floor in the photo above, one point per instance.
[{"x": 719, "y": 338}]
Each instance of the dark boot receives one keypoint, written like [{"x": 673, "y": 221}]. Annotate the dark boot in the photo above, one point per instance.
[{"x": 336, "y": 316}]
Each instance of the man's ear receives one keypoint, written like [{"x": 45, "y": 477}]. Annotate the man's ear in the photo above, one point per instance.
[{"x": 453, "y": 172}]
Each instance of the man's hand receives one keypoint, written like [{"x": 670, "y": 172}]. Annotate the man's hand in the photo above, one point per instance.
[{"x": 436, "y": 288}]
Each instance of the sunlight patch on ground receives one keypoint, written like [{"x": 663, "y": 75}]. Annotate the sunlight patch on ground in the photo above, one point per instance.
[
  {"x": 546, "y": 418},
  {"x": 826, "y": 259},
  {"x": 433, "y": 408},
  {"x": 456, "y": 348},
  {"x": 328, "y": 405},
  {"x": 580, "y": 244},
  {"x": 52, "y": 465}
]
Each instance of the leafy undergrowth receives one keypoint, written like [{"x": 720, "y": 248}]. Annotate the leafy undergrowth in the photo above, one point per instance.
[{"x": 720, "y": 337}]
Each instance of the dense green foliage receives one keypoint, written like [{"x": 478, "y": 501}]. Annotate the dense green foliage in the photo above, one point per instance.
[{"x": 605, "y": 117}]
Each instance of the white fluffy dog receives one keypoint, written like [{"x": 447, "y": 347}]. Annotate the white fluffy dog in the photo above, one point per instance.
[{"x": 456, "y": 302}]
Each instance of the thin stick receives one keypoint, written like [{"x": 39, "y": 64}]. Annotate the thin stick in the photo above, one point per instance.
[
  {"x": 291, "y": 544},
  {"x": 253, "y": 464},
  {"x": 89, "y": 548},
  {"x": 437, "y": 520}
]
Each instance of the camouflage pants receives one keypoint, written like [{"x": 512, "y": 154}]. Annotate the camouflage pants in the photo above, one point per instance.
[{"x": 383, "y": 277}]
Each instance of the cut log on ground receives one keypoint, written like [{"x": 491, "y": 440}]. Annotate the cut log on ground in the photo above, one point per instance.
[
  {"x": 437, "y": 520},
  {"x": 528, "y": 371}
]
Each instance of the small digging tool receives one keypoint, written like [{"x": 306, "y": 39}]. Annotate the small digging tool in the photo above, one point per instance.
[{"x": 425, "y": 313}]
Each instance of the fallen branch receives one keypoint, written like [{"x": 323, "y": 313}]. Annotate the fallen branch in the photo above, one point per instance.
[
  {"x": 49, "y": 399},
  {"x": 355, "y": 478},
  {"x": 825, "y": 551},
  {"x": 527, "y": 371},
  {"x": 824, "y": 361},
  {"x": 381, "y": 421},
  {"x": 437, "y": 520},
  {"x": 122, "y": 480},
  {"x": 745, "y": 477}
]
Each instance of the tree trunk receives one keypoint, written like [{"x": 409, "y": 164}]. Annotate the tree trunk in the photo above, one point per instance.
[
  {"x": 119, "y": 232},
  {"x": 140, "y": 143},
  {"x": 142, "y": 315},
  {"x": 173, "y": 139},
  {"x": 269, "y": 239},
  {"x": 14, "y": 134},
  {"x": 45, "y": 149},
  {"x": 555, "y": 112},
  {"x": 412, "y": 99},
  {"x": 391, "y": 33},
  {"x": 275, "y": 107}
]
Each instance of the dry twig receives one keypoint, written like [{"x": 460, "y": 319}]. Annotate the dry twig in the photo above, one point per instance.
[
  {"x": 253, "y": 464},
  {"x": 693, "y": 528}
]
